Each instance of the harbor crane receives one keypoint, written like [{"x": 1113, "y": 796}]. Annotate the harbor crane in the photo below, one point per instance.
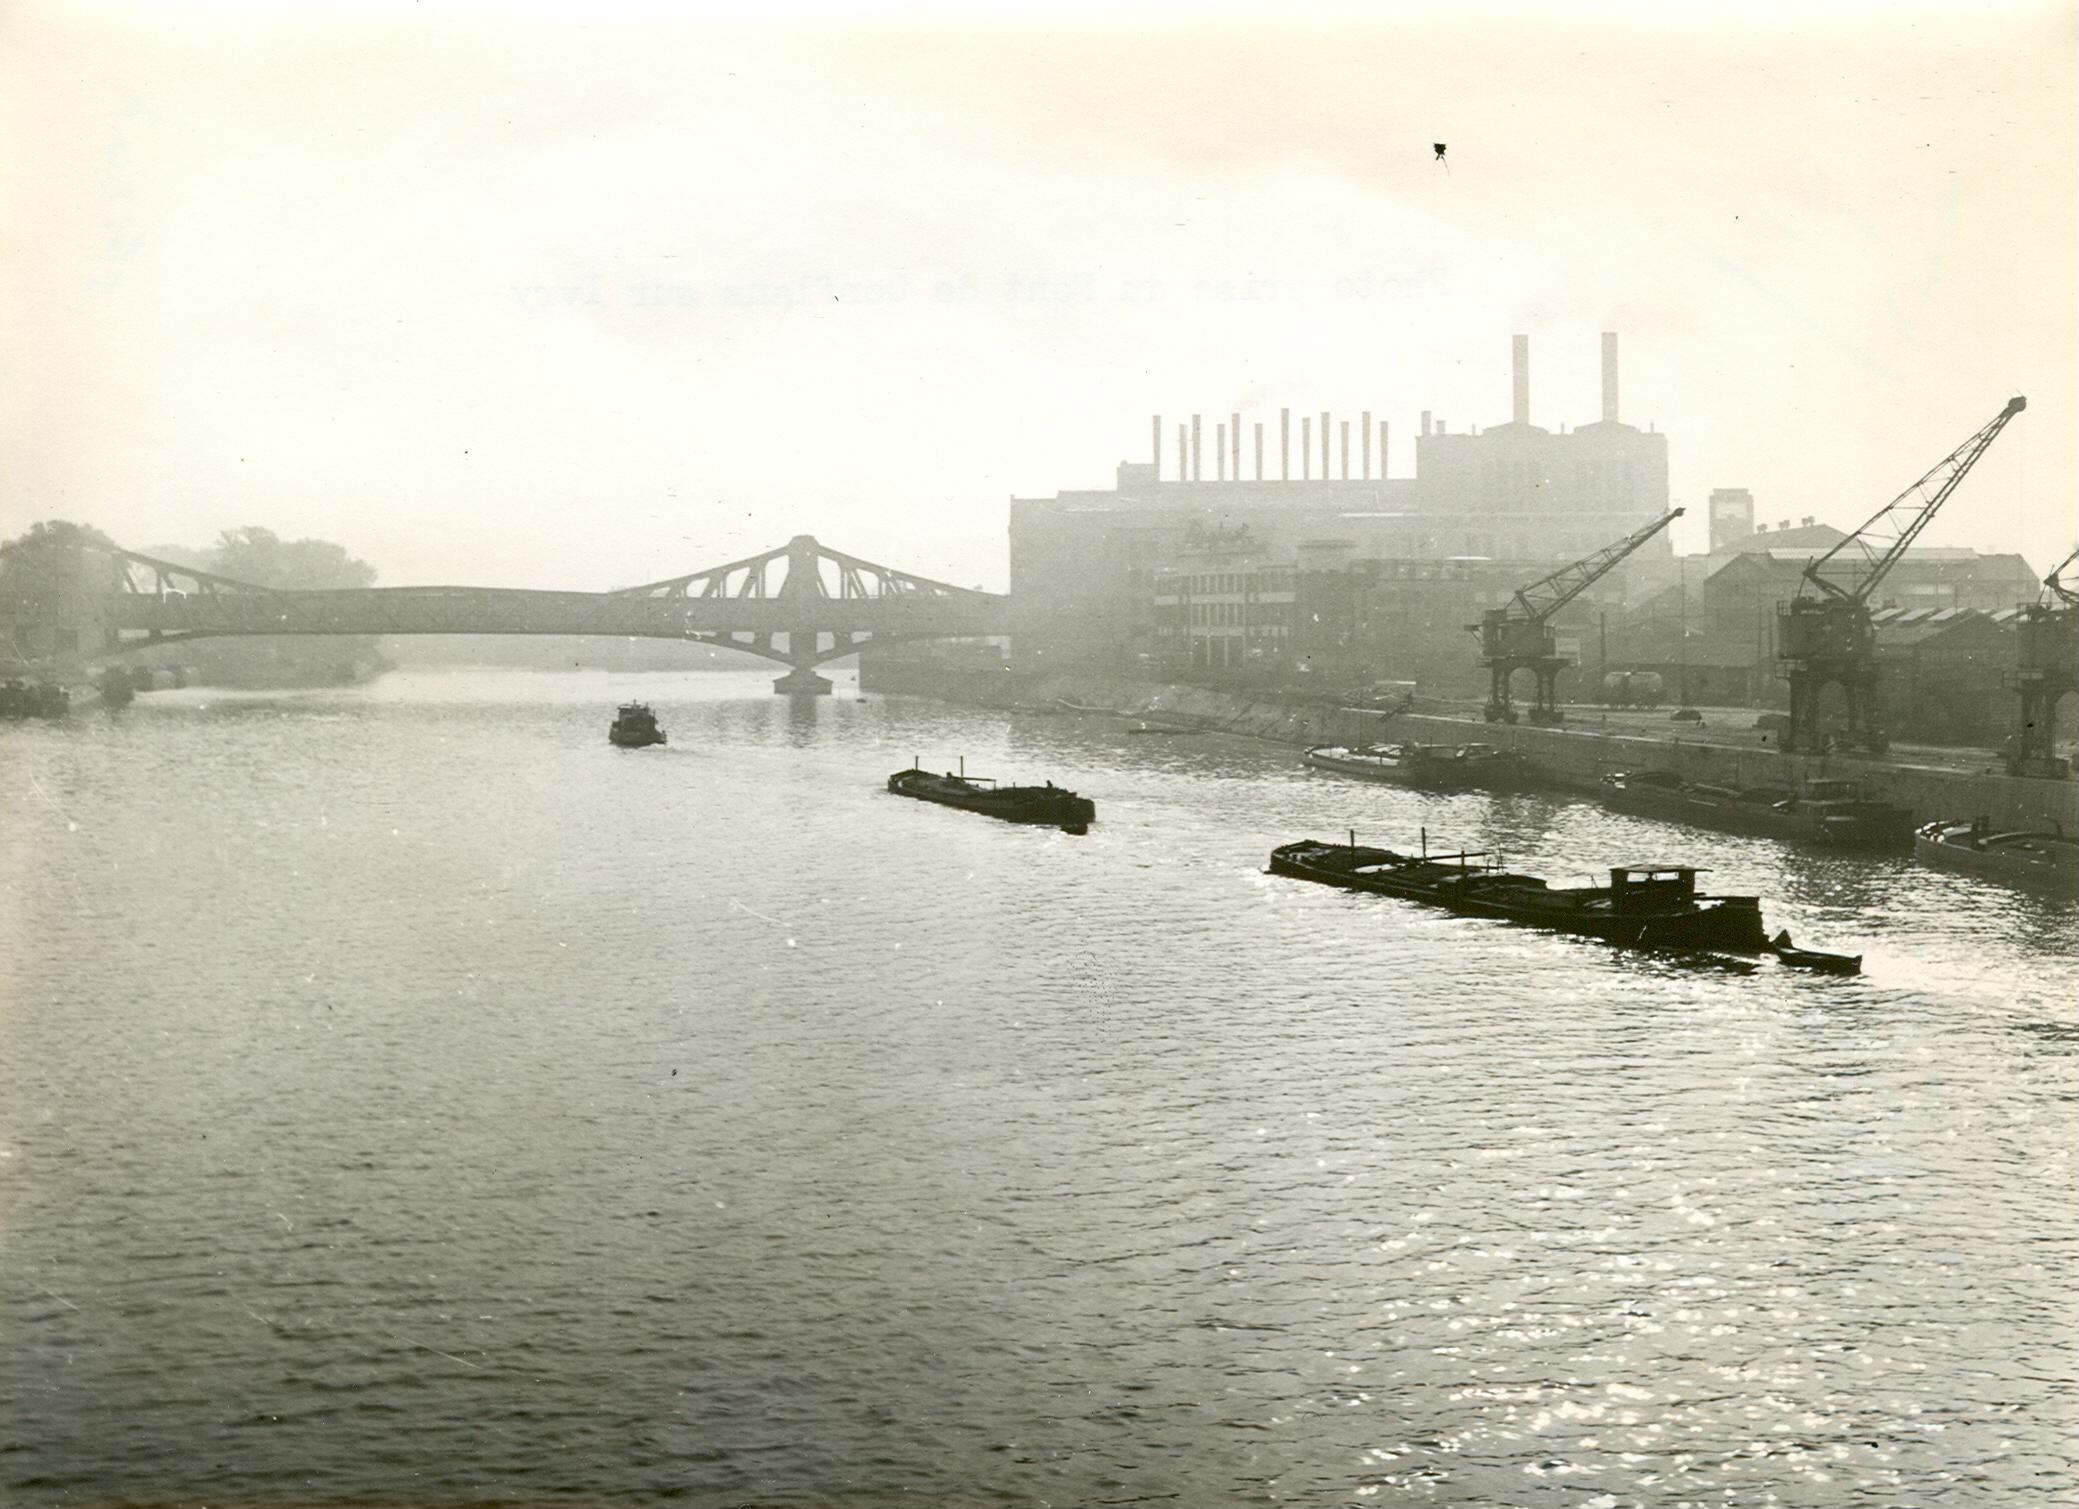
[
  {"x": 1824, "y": 635},
  {"x": 1518, "y": 636},
  {"x": 2046, "y": 667}
]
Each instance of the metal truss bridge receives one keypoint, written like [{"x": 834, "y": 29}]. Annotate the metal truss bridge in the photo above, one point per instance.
[{"x": 801, "y": 604}]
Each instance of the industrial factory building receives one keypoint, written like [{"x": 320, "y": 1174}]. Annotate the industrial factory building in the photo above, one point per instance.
[
  {"x": 1232, "y": 546},
  {"x": 1710, "y": 631}
]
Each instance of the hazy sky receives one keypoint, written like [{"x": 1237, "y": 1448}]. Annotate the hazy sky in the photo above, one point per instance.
[{"x": 592, "y": 295}]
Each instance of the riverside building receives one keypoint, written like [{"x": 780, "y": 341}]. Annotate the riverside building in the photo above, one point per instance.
[{"x": 1205, "y": 555}]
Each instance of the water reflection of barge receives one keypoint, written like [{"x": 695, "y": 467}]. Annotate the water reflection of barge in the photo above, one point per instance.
[
  {"x": 1838, "y": 813},
  {"x": 1429, "y": 767},
  {"x": 1051, "y": 805},
  {"x": 1652, "y": 907},
  {"x": 2045, "y": 861}
]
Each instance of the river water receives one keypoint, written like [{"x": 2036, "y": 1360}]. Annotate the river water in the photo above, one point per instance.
[{"x": 406, "y": 1098}]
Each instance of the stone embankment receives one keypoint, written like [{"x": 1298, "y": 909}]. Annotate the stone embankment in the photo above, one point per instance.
[{"x": 1574, "y": 757}]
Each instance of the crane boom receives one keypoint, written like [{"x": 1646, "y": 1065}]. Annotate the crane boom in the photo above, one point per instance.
[
  {"x": 1548, "y": 594},
  {"x": 2069, "y": 596},
  {"x": 1871, "y": 552}
]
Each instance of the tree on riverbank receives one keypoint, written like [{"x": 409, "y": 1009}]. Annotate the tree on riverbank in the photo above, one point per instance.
[
  {"x": 57, "y": 533},
  {"x": 258, "y": 555}
]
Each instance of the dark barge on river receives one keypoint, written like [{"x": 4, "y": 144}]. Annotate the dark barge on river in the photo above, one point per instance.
[
  {"x": 34, "y": 699},
  {"x": 1051, "y": 805},
  {"x": 1653, "y": 907}
]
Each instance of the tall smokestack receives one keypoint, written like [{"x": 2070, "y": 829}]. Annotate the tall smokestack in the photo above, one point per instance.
[
  {"x": 1344, "y": 432},
  {"x": 1382, "y": 450},
  {"x": 1183, "y": 453},
  {"x": 1196, "y": 454},
  {"x": 1367, "y": 445},
  {"x": 1156, "y": 454},
  {"x": 1234, "y": 442},
  {"x": 1306, "y": 448},
  {"x": 1609, "y": 377},
  {"x": 1220, "y": 451},
  {"x": 1285, "y": 445},
  {"x": 1259, "y": 450},
  {"x": 1425, "y": 421},
  {"x": 1521, "y": 412},
  {"x": 1324, "y": 445}
]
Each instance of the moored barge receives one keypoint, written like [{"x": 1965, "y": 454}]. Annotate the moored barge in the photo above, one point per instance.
[
  {"x": 37, "y": 699},
  {"x": 1050, "y": 805},
  {"x": 2042, "y": 861},
  {"x": 1838, "y": 813},
  {"x": 1427, "y": 767},
  {"x": 1654, "y": 907}
]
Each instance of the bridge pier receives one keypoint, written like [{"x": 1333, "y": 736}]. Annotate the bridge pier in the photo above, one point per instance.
[
  {"x": 802, "y": 644},
  {"x": 802, "y": 682}
]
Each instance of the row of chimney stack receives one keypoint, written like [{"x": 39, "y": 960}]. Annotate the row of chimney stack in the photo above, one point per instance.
[
  {"x": 1227, "y": 448},
  {"x": 1227, "y": 437}
]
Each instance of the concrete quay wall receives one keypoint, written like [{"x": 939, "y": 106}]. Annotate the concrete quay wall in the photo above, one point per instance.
[
  {"x": 1579, "y": 757},
  {"x": 1571, "y": 757}
]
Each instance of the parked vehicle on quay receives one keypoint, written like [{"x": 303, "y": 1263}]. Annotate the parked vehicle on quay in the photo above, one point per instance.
[{"x": 1634, "y": 688}]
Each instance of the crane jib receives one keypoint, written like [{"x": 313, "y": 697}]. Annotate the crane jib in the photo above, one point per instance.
[
  {"x": 1886, "y": 535},
  {"x": 1548, "y": 594}
]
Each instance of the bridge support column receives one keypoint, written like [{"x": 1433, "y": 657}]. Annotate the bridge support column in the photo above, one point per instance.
[{"x": 802, "y": 681}]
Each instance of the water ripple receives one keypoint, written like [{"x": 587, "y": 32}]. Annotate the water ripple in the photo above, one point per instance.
[{"x": 408, "y": 1097}]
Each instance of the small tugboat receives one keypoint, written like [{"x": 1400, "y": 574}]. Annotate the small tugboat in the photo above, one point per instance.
[
  {"x": 1837, "y": 813},
  {"x": 1654, "y": 907},
  {"x": 2045, "y": 861},
  {"x": 1054, "y": 806},
  {"x": 1429, "y": 767},
  {"x": 635, "y": 726}
]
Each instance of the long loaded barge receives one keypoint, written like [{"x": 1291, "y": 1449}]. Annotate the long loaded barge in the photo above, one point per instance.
[
  {"x": 1052, "y": 805},
  {"x": 1644, "y": 906}
]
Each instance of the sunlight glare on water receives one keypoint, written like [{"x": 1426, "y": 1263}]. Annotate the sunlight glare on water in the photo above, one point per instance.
[{"x": 407, "y": 1097}]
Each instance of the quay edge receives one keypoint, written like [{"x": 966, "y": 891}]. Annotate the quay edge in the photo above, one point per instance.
[{"x": 1571, "y": 756}]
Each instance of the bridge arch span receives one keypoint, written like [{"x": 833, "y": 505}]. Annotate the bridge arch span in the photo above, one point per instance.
[{"x": 794, "y": 596}]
